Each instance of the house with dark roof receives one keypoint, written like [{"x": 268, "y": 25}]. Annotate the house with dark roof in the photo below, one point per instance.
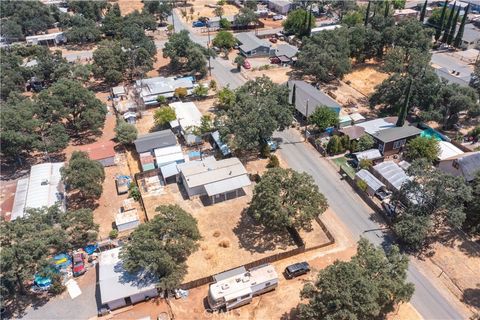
[
  {"x": 252, "y": 46},
  {"x": 306, "y": 98},
  {"x": 466, "y": 165},
  {"x": 159, "y": 139}
]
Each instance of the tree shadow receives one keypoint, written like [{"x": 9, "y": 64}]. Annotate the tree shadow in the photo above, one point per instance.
[
  {"x": 471, "y": 296},
  {"x": 75, "y": 202},
  {"x": 290, "y": 315},
  {"x": 16, "y": 308},
  {"x": 254, "y": 237}
]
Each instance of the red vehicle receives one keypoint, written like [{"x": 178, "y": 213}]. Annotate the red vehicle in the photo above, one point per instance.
[
  {"x": 78, "y": 264},
  {"x": 274, "y": 60},
  {"x": 273, "y": 40},
  {"x": 246, "y": 64}
]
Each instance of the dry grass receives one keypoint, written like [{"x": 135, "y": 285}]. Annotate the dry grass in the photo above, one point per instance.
[
  {"x": 365, "y": 77},
  {"x": 128, "y": 6}
]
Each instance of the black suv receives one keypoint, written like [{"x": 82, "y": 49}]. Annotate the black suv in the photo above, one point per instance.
[{"x": 296, "y": 269}]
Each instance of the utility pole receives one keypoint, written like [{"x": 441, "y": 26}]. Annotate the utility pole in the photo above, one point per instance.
[
  {"x": 209, "y": 53},
  {"x": 306, "y": 120}
]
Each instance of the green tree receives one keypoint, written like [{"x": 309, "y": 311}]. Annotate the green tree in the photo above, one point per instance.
[
  {"x": 369, "y": 286},
  {"x": 226, "y": 98},
  {"x": 164, "y": 115},
  {"x": 225, "y": 24},
  {"x": 404, "y": 111},
  {"x": 451, "y": 32},
  {"x": 324, "y": 117},
  {"x": 11, "y": 30},
  {"x": 162, "y": 245},
  {"x": 90, "y": 10},
  {"x": 224, "y": 40},
  {"x": 180, "y": 92},
  {"x": 125, "y": 133},
  {"x": 352, "y": 18},
  {"x": 286, "y": 198},
  {"x": 261, "y": 107},
  {"x": 239, "y": 60},
  {"x": 82, "y": 30},
  {"x": 69, "y": 100},
  {"x": 367, "y": 14},
  {"x": 298, "y": 22},
  {"x": 201, "y": 91},
  {"x": 422, "y": 147},
  {"x": 84, "y": 175},
  {"x": 449, "y": 24},
  {"x": 432, "y": 199},
  {"x": 206, "y": 124},
  {"x": 472, "y": 221},
  {"x": 79, "y": 226},
  {"x": 325, "y": 55},
  {"x": 245, "y": 17},
  {"x": 439, "y": 24},
  {"x": 273, "y": 162},
  {"x": 424, "y": 11},
  {"x": 161, "y": 9},
  {"x": 365, "y": 164},
  {"x": 32, "y": 16},
  {"x": 334, "y": 146},
  {"x": 365, "y": 142},
  {"x": 458, "y": 39},
  {"x": 218, "y": 12}
]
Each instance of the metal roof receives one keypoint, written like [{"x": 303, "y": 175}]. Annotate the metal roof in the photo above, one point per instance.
[
  {"x": 468, "y": 164},
  {"x": 169, "y": 170},
  {"x": 224, "y": 149},
  {"x": 43, "y": 188},
  {"x": 448, "y": 150},
  {"x": 392, "y": 173},
  {"x": 306, "y": 92},
  {"x": 126, "y": 217},
  {"x": 116, "y": 283},
  {"x": 370, "y": 179},
  {"x": 227, "y": 185},
  {"x": 249, "y": 41},
  {"x": 376, "y": 125},
  {"x": 357, "y": 117},
  {"x": 154, "y": 140},
  {"x": 167, "y": 155},
  {"x": 371, "y": 154},
  {"x": 118, "y": 90},
  {"x": 471, "y": 33},
  {"x": 187, "y": 114},
  {"x": 397, "y": 133}
]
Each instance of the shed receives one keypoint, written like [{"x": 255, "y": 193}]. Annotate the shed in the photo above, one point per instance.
[
  {"x": 391, "y": 174},
  {"x": 465, "y": 165},
  {"x": 371, "y": 154},
  {"x": 373, "y": 184},
  {"x": 103, "y": 152},
  {"x": 119, "y": 287},
  {"x": 357, "y": 117},
  {"x": 118, "y": 91},
  {"x": 167, "y": 155},
  {"x": 127, "y": 220},
  {"x": 188, "y": 117},
  {"x": 159, "y": 139},
  {"x": 344, "y": 121},
  {"x": 168, "y": 171}
]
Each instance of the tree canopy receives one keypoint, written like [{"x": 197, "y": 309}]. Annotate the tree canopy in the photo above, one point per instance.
[
  {"x": 323, "y": 118},
  {"x": 260, "y": 108},
  {"x": 164, "y": 115},
  {"x": 365, "y": 142},
  {"x": 368, "y": 286},
  {"x": 84, "y": 175},
  {"x": 422, "y": 147},
  {"x": 325, "y": 55},
  {"x": 286, "y": 198},
  {"x": 472, "y": 221},
  {"x": 162, "y": 245},
  {"x": 299, "y": 22},
  {"x": 224, "y": 40},
  {"x": 430, "y": 199},
  {"x": 125, "y": 133}
]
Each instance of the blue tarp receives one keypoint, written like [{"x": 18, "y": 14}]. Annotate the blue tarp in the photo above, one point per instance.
[
  {"x": 62, "y": 260},
  {"x": 90, "y": 248}
]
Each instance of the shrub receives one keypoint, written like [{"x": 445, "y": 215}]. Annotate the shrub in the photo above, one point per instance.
[
  {"x": 181, "y": 92},
  {"x": 365, "y": 142},
  {"x": 213, "y": 85},
  {"x": 334, "y": 146},
  {"x": 273, "y": 162},
  {"x": 162, "y": 100},
  {"x": 362, "y": 185},
  {"x": 365, "y": 164},
  {"x": 134, "y": 192},
  {"x": 57, "y": 287},
  {"x": 113, "y": 234},
  {"x": 265, "y": 151}
]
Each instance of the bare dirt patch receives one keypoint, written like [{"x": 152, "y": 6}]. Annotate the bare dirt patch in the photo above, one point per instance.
[
  {"x": 365, "y": 77},
  {"x": 146, "y": 123},
  {"x": 160, "y": 67},
  {"x": 128, "y": 6},
  {"x": 201, "y": 10}
]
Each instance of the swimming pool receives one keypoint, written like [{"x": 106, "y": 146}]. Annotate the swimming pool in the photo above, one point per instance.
[{"x": 431, "y": 133}]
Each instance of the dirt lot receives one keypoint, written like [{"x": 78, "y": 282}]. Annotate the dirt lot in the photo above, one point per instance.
[
  {"x": 160, "y": 67},
  {"x": 146, "y": 122},
  {"x": 200, "y": 9},
  {"x": 128, "y": 6},
  {"x": 365, "y": 77}
]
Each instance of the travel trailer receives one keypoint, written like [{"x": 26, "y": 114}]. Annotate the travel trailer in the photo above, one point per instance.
[{"x": 237, "y": 287}]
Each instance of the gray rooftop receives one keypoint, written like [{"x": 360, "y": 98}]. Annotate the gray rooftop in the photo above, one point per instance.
[
  {"x": 116, "y": 283},
  {"x": 468, "y": 163},
  {"x": 370, "y": 179},
  {"x": 371, "y": 154},
  {"x": 392, "y": 173},
  {"x": 286, "y": 50},
  {"x": 154, "y": 140},
  {"x": 471, "y": 33},
  {"x": 452, "y": 68},
  {"x": 306, "y": 92},
  {"x": 249, "y": 41},
  {"x": 397, "y": 133}
]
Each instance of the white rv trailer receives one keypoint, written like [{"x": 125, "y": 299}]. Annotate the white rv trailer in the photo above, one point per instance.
[{"x": 237, "y": 287}]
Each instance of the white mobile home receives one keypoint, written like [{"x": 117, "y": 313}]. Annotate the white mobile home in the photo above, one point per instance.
[
  {"x": 237, "y": 287},
  {"x": 188, "y": 118}
]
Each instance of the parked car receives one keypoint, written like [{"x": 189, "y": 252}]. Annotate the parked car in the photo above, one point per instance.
[
  {"x": 271, "y": 143},
  {"x": 274, "y": 60},
  {"x": 278, "y": 17},
  {"x": 273, "y": 40},
  {"x": 382, "y": 194},
  {"x": 297, "y": 269},
  {"x": 246, "y": 64},
  {"x": 78, "y": 265},
  {"x": 198, "y": 24}
]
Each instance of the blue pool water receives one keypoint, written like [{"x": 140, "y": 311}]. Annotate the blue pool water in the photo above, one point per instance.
[{"x": 431, "y": 133}]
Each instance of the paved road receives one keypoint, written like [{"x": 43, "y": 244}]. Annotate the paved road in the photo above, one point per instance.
[{"x": 428, "y": 301}]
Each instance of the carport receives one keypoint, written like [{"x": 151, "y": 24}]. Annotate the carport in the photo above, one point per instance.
[
  {"x": 373, "y": 184},
  {"x": 226, "y": 189}
]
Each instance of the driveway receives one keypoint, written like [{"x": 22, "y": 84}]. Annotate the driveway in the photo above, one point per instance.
[
  {"x": 360, "y": 219},
  {"x": 62, "y": 307}
]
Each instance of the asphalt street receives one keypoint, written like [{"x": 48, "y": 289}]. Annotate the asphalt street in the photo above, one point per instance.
[{"x": 359, "y": 218}]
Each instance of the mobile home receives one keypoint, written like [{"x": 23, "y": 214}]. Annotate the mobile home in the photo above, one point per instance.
[{"x": 237, "y": 287}]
